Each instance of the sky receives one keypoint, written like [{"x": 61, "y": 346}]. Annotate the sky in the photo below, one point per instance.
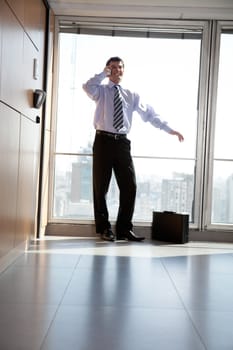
[{"x": 165, "y": 72}]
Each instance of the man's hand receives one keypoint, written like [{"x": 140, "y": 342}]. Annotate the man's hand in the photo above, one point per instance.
[
  {"x": 176, "y": 133},
  {"x": 107, "y": 71}
]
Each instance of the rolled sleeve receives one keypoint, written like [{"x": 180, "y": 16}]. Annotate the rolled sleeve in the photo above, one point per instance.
[
  {"x": 92, "y": 86},
  {"x": 148, "y": 114}
]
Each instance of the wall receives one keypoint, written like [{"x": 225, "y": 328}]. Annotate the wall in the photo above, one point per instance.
[
  {"x": 45, "y": 166},
  {"x": 22, "y": 39}
]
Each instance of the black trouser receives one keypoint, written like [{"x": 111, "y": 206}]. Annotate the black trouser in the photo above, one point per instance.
[{"x": 113, "y": 154}]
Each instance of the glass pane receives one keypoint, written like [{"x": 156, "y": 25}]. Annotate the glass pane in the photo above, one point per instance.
[
  {"x": 159, "y": 187},
  {"x": 224, "y": 116},
  {"x": 222, "y": 200},
  {"x": 165, "y": 73},
  {"x": 164, "y": 185},
  {"x": 72, "y": 187},
  {"x": 222, "y": 193},
  {"x": 166, "y": 77}
]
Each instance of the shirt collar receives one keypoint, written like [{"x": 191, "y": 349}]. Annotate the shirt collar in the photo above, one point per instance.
[{"x": 111, "y": 84}]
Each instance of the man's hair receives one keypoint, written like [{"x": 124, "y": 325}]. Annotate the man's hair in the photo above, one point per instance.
[{"x": 114, "y": 59}]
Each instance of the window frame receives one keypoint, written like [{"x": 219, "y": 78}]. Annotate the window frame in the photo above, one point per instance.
[
  {"x": 208, "y": 74},
  {"x": 217, "y": 28}
]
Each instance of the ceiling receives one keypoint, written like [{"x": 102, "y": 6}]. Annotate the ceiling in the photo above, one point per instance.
[{"x": 176, "y": 9}]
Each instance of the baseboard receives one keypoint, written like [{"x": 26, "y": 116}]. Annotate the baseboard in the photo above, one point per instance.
[
  {"x": 220, "y": 236},
  {"x": 85, "y": 230},
  {"x": 88, "y": 230}
]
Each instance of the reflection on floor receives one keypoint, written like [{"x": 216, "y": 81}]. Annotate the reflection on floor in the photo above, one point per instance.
[{"x": 84, "y": 294}]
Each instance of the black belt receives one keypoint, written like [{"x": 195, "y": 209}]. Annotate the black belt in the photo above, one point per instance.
[{"x": 111, "y": 134}]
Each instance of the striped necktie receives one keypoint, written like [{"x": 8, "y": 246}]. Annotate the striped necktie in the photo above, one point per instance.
[{"x": 118, "y": 109}]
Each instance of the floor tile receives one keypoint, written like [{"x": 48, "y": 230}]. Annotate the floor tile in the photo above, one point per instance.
[
  {"x": 203, "y": 282},
  {"x": 86, "y": 294},
  {"x": 127, "y": 283},
  {"x": 33, "y": 285},
  {"x": 215, "y": 328},
  {"x": 40, "y": 259},
  {"x": 23, "y": 327},
  {"x": 88, "y": 328}
]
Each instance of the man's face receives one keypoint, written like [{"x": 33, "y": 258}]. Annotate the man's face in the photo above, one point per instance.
[{"x": 117, "y": 71}]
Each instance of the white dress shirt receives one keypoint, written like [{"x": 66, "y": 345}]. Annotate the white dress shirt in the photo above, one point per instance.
[{"x": 103, "y": 95}]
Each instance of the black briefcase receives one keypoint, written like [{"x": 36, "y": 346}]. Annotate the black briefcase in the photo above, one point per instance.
[{"x": 169, "y": 226}]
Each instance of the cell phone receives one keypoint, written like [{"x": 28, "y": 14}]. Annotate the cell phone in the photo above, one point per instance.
[{"x": 108, "y": 71}]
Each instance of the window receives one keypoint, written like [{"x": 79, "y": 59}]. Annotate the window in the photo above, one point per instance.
[
  {"x": 163, "y": 67},
  {"x": 222, "y": 192}
]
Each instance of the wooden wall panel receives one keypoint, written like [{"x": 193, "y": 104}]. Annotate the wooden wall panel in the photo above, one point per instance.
[
  {"x": 28, "y": 82},
  {"x": 12, "y": 59},
  {"x": 27, "y": 180},
  {"x": 1, "y": 6},
  {"x": 50, "y": 72},
  {"x": 22, "y": 38},
  {"x": 17, "y": 7},
  {"x": 18, "y": 54},
  {"x": 47, "y": 136},
  {"x": 9, "y": 155},
  {"x": 34, "y": 19},
  {"x": 31, "y": 15}
]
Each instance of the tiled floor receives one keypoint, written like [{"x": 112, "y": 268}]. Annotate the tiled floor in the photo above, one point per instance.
[{"x": 74, "y": 294}]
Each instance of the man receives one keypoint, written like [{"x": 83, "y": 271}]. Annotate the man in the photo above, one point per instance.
[{"x": 111, "y": 149}]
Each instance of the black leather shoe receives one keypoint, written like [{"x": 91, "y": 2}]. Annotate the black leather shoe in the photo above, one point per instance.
[
  {"x": 130, "y": 236},
  {"x": 107, "y": 235}
]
